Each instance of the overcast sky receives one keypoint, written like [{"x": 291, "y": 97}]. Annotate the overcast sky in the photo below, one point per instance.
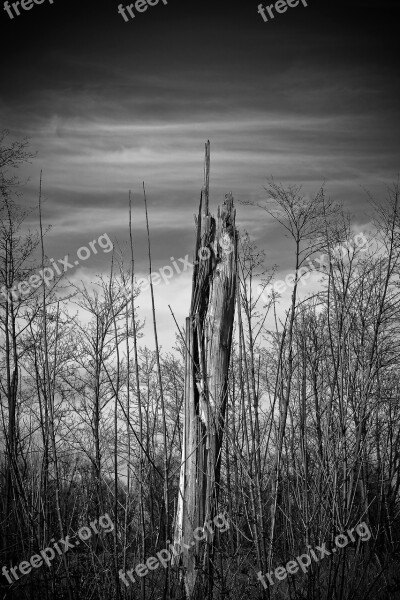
[{"x": 310, "y": 96}]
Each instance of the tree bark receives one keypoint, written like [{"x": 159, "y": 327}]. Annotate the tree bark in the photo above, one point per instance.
[{"x": 208, "y": 347}]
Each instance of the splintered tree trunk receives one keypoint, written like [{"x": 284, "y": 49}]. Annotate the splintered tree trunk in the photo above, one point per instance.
[{"x": 208, "y": 347}]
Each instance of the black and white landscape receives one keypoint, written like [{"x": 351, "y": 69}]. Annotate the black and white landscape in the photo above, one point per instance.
[{"x": 199, "y": 300}]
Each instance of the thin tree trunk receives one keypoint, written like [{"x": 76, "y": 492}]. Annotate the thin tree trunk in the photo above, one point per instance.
[
  {"x": 139, "y": 399},
  {"x": 163, "y": 415},
  {"x": 50, "y": 392}
]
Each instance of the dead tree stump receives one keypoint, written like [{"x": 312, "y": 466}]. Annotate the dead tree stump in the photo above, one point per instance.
[{"x": 208, "y": 347}]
